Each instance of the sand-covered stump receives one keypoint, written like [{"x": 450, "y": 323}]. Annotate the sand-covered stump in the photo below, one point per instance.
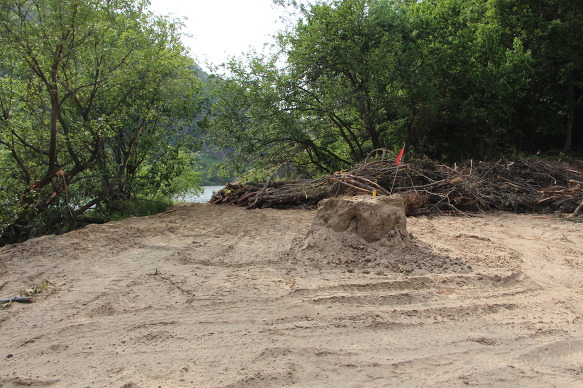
[
  {"x": 374, "y": 219},
  {"x": 365, "y": 232}
]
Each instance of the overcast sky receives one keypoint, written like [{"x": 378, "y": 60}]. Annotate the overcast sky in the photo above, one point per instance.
[{"x": 223, "y": 28}]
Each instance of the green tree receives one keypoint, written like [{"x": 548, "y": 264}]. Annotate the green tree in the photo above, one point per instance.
[
  {"x": 464, "y": 87},
  {"x": 367, "y": 74},
  {"x": 256, "y": 116},
  {"x": 553, "y": 31},
  {"x": 334, "y": 101},
  {"x": 96, "y": 97}
]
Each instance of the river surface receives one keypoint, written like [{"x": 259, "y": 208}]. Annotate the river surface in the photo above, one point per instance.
[{"x": 205, "y": 196}]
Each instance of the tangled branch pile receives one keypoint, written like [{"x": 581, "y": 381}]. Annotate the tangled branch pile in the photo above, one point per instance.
[
  {"x": 427, "y": 186},
  {"x": 298, "y": 193},
  {"x": 519, "y": 186}
]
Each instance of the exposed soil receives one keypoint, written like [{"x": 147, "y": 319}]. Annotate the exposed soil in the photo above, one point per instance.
[{"x": 217, "y": 296}]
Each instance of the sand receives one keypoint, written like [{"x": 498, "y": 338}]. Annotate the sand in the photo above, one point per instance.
[{"x": 217, "y": 296}]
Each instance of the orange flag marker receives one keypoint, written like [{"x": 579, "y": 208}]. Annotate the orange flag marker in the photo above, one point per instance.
[{"x": 400, "y": 156}]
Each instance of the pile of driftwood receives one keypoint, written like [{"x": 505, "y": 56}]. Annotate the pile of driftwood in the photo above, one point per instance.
[
  {"x": 298, "y": 193},
  {"x": 429, "y": 187}
]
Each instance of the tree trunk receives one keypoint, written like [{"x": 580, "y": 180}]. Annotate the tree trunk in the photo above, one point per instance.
[
  {"x": 18, "y": 230},
  {"x": 570, "y": 118},
  {"x": 571, "y": 105}
]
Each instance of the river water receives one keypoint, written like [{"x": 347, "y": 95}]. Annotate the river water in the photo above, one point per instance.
[{"x": 205, "y": 196}]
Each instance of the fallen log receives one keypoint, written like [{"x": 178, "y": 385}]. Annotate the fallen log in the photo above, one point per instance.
[{"x": 261, "y": 192}]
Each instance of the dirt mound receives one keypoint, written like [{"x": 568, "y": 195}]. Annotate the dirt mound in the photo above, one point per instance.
[{"x": 368, "y": 233}]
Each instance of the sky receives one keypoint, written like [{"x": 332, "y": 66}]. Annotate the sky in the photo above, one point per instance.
[{"x": 221, "y": 29}]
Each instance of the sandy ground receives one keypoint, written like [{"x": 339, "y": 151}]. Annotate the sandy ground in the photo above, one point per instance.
[{"x": 214, "y": 296}]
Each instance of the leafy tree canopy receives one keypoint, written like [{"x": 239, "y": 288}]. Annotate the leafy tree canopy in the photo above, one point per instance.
[
  {"x": 451, "y": 79},
  {"x": 96, "y": 99}
]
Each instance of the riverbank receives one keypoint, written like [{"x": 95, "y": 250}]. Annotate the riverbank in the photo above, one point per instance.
[{"x": 205, "y": 295}]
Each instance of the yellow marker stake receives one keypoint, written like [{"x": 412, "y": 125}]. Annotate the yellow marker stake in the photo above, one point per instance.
[{"x": 374, "y": 193}]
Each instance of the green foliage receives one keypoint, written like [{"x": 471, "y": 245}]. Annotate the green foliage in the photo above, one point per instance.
[
  {"x": 209, "y": 167},
  {"x": 453, "y": 79},
  {"x": 96, "y": 104},
  {"x": 135, "y": 207},
  {"x": 472, "y": 84},
  {"x": 552, "y": 30}
]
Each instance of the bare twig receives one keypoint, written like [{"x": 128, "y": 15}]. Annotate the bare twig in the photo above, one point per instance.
[
  {"x": 178, "y": 286},
  {"x": 578, "y": 211}
]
